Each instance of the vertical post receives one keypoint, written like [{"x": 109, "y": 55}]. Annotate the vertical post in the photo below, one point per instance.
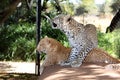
[{"x": 38, "y": 21}]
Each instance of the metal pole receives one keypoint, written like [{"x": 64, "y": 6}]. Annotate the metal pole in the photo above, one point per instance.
[{"x": 38, "y": 21}]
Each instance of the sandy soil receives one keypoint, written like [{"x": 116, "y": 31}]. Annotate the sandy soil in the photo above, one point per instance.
[{"x": 87, "y": 71}]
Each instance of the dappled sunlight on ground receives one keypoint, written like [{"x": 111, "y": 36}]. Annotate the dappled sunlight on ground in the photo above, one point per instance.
[{"x": 87, "y": 71}]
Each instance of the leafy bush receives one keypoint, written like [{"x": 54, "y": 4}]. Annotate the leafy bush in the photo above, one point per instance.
[
  {"x": 17, "y": 42},
  {"x": 110, "y": 42}
]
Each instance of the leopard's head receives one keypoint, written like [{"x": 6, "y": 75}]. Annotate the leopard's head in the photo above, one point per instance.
[
  {"x": 61, "y": 22},
  {"x": 46, "y": 45}
]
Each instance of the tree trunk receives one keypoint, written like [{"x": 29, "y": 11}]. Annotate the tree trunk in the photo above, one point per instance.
[{"x": 8, "y": 10}]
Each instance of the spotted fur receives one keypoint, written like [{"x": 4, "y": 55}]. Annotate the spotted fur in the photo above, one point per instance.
[
  {"x": 78, "y": 36},
  {"x": 56, "y": 53}
]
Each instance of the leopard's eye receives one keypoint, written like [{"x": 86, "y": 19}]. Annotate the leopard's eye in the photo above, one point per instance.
[{"x": 54, "y": 25}]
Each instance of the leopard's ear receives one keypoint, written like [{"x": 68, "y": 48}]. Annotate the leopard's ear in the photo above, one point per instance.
[
  {"x": 46, "y": 37},
  {"x": 68, "y": 18}
]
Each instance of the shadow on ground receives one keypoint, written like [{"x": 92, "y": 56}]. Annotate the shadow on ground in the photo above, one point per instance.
[{"x": 87, "y": 71}]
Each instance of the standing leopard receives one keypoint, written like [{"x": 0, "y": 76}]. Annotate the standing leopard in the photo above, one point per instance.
[{"x": 79, "y": 37}]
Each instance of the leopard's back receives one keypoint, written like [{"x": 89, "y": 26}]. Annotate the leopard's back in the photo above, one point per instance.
[
  {"x": 99, "y": 55},
  {"x": 91, "y": 32}
]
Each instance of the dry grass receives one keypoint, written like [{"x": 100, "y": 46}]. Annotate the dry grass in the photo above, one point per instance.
[{"x": 101, "y": 22}]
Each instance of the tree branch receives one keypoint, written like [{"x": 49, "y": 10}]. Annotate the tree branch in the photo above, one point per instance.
[
  {"x": 58, "y": 6},
  {"x": 29, "y": 3}
]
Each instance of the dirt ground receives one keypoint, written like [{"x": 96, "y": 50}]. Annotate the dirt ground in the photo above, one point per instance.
[{"x": 87, "y": 71}]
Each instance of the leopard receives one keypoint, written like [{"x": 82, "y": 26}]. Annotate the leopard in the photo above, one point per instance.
[
  {"x": 79, "y": 37},
  {"x": 56, "y": 52}
]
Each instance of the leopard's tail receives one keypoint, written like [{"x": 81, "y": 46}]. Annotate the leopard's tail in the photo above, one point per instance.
[{"x": 113, "y": 67}]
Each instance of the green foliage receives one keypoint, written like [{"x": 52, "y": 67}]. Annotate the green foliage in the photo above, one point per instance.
[
  {"x": 4, "y": 3},
  {"x": 89, "y": 5},
  {"x": 68, "y": 8},
  {"x": 110, "y": 42},
  {"x": 22, "y": 14},
  {"x": 65, "y": 5},
  {"x": 17, "y": 42}
]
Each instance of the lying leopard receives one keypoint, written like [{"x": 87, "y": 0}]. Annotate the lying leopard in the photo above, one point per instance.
[
  {"x": 57, "y": 53},
  {"x": 80, "y": 38}
]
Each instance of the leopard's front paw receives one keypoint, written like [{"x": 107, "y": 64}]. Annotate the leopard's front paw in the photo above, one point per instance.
[
  {"x": 75, "y": 64},
  {"x": 64, "y": 63}
]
